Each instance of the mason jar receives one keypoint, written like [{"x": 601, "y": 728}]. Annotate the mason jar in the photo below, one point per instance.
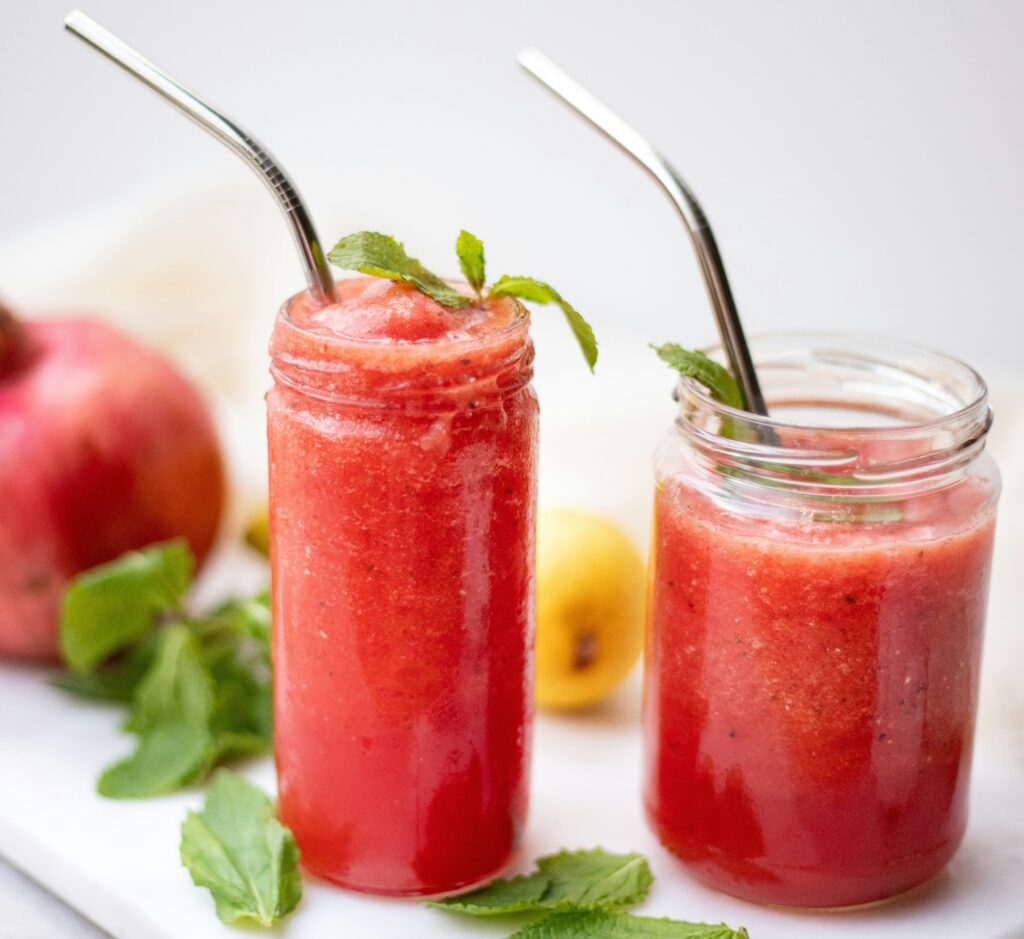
[
  {"x": 403, "y": 466},
  {"x": 818, "y": 588}
]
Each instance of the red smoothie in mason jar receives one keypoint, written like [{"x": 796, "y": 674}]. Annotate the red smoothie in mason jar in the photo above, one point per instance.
[
  {"x": 403, "y": 442},
  {"x": 818, "y": 601}
]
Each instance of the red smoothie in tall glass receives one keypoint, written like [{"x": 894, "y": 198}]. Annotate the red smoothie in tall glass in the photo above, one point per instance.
[
  {"x": 812, "y": 663},
  {"x": 403, "y": 484}
]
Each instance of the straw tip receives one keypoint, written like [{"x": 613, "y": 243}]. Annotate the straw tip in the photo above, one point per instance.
[
  {"x": 74, "y": 19},
  {"x": 528, "y": 56}
]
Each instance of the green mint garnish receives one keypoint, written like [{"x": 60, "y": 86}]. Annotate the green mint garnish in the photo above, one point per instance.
[
  {"x": 170, "y": 715},
  {"x": 607, "y": 925},
  {"x": 470, "y": 250},
  {"x": 114, "y": 682},
  {"x": 536, "y": 291},
  {"x": 111, "y": 607},
  {"x": 582, "y": 894},
  {"x": 239, "y": 851},
  {"x": 236, "y": 649},
  {"x": 198, "y": 687},
  {"x": 716, "y": 378},
  {"x": 382, "y": 256},
  {"x": 569, "y": 880},
  {"x": 370, "y": 252},
  {"x": 723, "y": 387}
]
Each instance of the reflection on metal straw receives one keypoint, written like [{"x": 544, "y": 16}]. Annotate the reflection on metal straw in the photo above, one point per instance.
[
  {"x": 639, "y": 148},
  {"x": 318, "y": 275}
]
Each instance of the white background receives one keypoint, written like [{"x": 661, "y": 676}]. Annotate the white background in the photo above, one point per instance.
[{"x": 860, "y": 162}]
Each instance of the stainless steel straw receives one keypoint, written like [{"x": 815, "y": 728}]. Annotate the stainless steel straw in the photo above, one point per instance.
[
  {"x": 318, "y": 275},
  {"x": 701, "y": 237}
]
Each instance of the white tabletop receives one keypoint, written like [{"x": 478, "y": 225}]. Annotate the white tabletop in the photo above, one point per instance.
[{"x": 27, "y": 911}]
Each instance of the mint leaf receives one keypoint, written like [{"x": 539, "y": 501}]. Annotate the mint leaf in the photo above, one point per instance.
[
  {"x": 113, "y": 687},
  {"x": 243, "y": 708},
  {"x": 613, "y": 925},
  {"x": 536, "y": 291},
  {"x": 112, "y": 606},
  {"x": 240, "y": 618},
  {"x": 594, "y": 879},
  {"x": 171, "y": 716},
  {"x": 236, "y": 651},
  {"x": 470, "y": 250},
  {"x": 382, "y": 256},
  {"x": 569, "y": 880},
  {"x": 241, "y": 853},
  {"x": 116, "y": 681},
  {"x": 507, "y": 895},
  {"x": 716, "y": 378}
]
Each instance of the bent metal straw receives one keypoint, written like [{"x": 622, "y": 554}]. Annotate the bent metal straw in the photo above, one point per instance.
[{"x": 216, "y": 124}]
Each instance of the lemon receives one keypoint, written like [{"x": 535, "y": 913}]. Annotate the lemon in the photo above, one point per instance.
[
  {"x": 257, "y": 531},
  {"x": 591, "y": 596}
]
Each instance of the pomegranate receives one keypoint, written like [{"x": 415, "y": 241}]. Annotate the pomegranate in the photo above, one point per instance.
[{"x": 104, "y": 447}]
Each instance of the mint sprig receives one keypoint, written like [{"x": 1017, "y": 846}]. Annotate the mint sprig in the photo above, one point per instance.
[
  {"x": 171, "y": 717},
  {"x": 536, "y": 291},
  {"x": 198, "y": 687},
  {"x": 582, "y": 895},
  {"x": 382, "y": 256},
  {"x": 610, "y": 925},
  {"x": 239, "y": 851},
  {"x": 378, "y": 255},
  {"x": 715, "y": 377},
  {"x": 470, "y": 250},
  {"x": 569, "y": 880}
]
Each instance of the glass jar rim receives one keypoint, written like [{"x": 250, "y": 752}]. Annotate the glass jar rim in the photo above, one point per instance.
[
  {"x": 382, "y": 372},
  {"x": 976, "y": 405},
  {"x": 842, "y": 461},
  {"x": 519, "y": 323}
]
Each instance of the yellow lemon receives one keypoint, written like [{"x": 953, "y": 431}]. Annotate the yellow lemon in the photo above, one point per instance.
[
  {"x": 257, "y": 531},
  {"x": 591, "y": 594}
]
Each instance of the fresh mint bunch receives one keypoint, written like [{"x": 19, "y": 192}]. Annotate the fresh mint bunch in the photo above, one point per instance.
[
  {"x": 239, "y": 851},
  {"x": 197, "y": 686},
  {"x": 582, "y": 895},
  {"x": 382, "y": 256}
]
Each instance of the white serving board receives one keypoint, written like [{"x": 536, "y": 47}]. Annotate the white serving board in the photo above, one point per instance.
[{"x": 117, "y": 862}]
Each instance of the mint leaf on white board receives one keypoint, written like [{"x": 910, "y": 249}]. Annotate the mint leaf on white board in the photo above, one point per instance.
[
  {"x": 617, "y": 925},
  {"x": 569, "y": 880},
  {"x": 239, "y": 851},
  {"x": 503, "y": 896}
]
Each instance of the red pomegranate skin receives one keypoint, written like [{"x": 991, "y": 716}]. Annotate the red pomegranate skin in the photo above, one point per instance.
[{"x": 104, "y": 447}]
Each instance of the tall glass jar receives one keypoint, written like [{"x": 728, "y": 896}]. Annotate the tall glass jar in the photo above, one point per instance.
[
  {"x": 819, "y": 582},
  {"x": 403, "y": 441}
]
